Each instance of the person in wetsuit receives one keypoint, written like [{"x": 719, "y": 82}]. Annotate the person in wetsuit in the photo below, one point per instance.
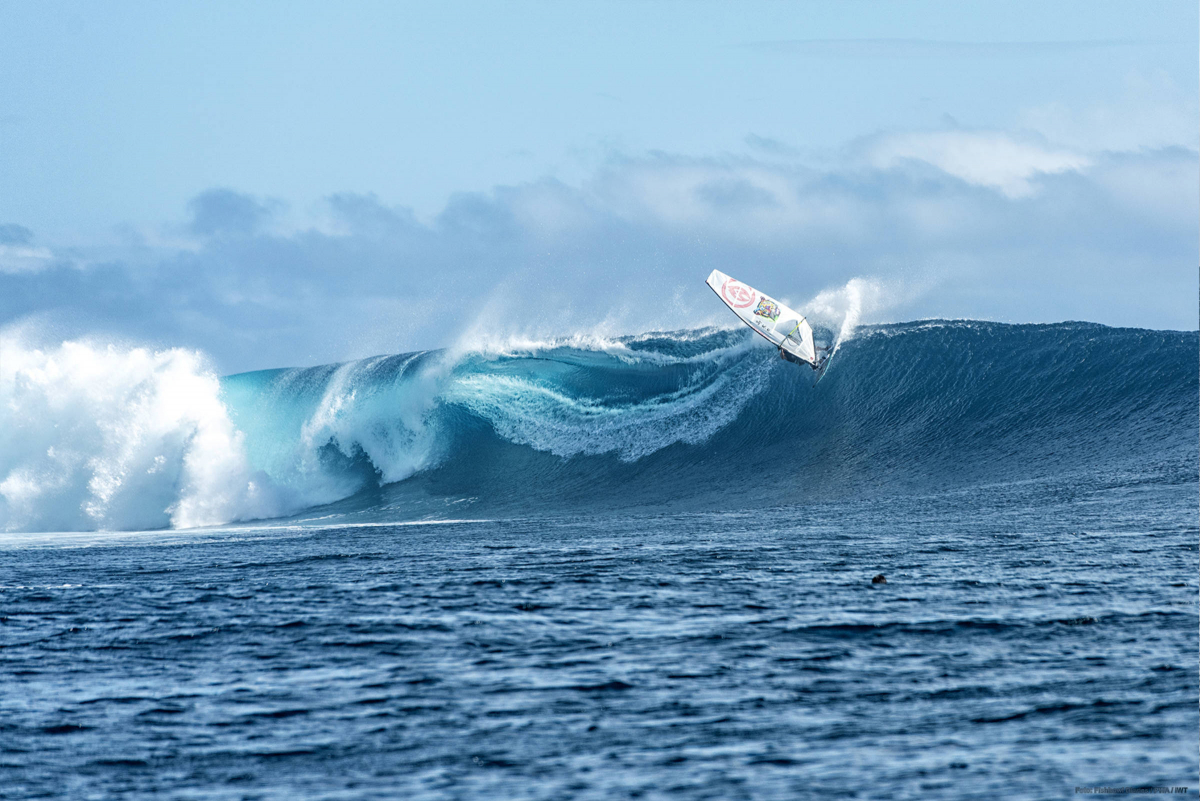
[
  {"x": 789, "y": 357},
  {"x": 794, "y": 359}
]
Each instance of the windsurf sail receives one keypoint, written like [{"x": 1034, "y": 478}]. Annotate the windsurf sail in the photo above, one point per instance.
[{"x": 784, "y": 328}]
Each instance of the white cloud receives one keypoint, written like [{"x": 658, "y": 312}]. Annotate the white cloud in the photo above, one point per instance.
[
  {"x": 640, "y": 236},
  {"x": 551, "y": 209},
  {"x": 984, "y": 158},
  {"x": 1150, "y": 112},
  {"x": 736, "y": 198}
]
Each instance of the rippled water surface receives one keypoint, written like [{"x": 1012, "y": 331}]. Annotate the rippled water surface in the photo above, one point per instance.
[{"x": 1031, "y": 637}]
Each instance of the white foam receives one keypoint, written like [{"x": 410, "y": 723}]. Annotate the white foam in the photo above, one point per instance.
[
  {"x": 107, "y": 437},
  {"x": 387, "y": 421},
  {"x": 527, "y": 412},
  {"x": 844, "y": 307}
]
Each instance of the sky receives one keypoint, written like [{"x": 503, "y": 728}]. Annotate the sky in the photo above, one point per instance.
[{"x": 294, "y": 183}]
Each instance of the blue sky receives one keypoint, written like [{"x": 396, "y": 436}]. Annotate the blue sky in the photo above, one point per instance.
[{"x": 286, "y": 183}]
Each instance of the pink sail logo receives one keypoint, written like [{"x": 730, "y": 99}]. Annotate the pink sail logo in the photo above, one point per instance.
[{"x": 737, "y": 294}]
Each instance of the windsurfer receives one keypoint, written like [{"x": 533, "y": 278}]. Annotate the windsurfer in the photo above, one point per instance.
[
  {"x": 822, "y": 355},
  {"x": 790, "y": 357}
]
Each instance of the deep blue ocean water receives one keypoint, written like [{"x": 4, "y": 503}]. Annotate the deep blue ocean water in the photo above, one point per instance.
[{"x": 643, "y": 569}]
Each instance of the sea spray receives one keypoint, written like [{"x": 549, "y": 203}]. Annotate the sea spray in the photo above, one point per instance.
[{"x": 844, "y": 307}]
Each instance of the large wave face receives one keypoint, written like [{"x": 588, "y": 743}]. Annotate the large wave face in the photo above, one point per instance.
[
  {"x": 713, "y": 419},
  {"x": 694, "y": 420}
]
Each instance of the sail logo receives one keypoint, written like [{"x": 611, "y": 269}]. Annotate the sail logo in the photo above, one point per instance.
[
  {"x": 767, "y": 308},
  {"x": 737, "y": 294}
]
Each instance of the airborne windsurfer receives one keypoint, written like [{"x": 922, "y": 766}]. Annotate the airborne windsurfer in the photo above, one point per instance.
[{"x": 783, "y": 327}]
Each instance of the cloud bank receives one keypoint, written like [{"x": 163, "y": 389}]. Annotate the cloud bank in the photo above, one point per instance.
[{"x": 952, "y": 223}]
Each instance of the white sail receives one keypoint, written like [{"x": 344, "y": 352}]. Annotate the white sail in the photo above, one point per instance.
[{"x": 782, "y": 327}]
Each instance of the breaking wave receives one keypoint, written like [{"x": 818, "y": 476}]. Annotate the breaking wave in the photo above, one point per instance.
[
  {"x": 103, "y": 437},
  {"x": 100, "y": 437}
]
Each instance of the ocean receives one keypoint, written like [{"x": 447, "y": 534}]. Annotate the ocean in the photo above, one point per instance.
[{"x": 634, "y": 567}]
